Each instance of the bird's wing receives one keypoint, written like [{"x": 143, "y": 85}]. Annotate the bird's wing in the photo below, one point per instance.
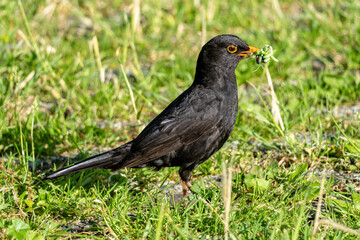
[{"x": 183, "y": 123}]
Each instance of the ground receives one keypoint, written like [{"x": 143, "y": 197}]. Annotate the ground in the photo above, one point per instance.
[{"x": 81, "y": 77}]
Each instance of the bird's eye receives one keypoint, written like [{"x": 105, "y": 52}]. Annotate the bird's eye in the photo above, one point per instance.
[{"x": 232, "y": 49}]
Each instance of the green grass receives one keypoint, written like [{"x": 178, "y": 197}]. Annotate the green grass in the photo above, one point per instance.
[{"x": 53, "y": 97}]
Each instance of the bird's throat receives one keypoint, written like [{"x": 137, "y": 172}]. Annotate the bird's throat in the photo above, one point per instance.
[{"x": 216, "y": 77}]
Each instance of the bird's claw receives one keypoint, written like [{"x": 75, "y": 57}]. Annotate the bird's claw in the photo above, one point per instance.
[{"x": 185, "y": 187}]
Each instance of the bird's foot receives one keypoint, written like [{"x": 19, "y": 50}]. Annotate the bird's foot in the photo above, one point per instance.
[{"x": 185, "y": 186}]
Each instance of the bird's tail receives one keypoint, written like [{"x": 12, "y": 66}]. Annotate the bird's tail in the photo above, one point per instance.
[{"x": 103, "y": 160}]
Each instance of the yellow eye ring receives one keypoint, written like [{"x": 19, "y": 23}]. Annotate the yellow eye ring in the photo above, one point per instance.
[{"x": 231, "y": 48}]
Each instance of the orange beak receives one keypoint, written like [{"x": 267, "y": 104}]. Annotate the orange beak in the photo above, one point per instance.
[{"x": 246, "y": 54}]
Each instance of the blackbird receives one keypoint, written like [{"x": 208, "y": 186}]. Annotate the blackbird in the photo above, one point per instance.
[{"x": 193, "y": 127}]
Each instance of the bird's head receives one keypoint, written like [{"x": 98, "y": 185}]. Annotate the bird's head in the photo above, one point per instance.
[{"x": 225, "y": 50}]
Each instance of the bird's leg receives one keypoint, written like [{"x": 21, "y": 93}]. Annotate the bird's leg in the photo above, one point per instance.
[
  {"x": 185, "y": 186},
  {"x": 185, "y": 176}
]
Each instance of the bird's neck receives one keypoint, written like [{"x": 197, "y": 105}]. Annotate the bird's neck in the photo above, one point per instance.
[{"x": 216, "y": 76}]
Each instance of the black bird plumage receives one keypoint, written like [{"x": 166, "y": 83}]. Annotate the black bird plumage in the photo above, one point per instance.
[{"x": 193, "y": 127}]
